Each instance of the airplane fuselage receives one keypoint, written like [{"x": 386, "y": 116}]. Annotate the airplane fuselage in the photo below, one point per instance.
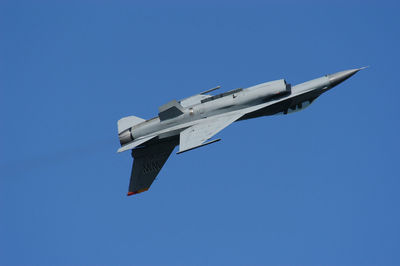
[
  {"x": 193, "y": 121},
  {"x": 268, "y": 93}
]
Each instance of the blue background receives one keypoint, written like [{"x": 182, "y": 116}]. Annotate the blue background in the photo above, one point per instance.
[{"x": 318, "y": 187}]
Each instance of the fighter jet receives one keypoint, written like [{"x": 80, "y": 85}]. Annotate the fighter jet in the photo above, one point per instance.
[{"x": 191, "y": 122}]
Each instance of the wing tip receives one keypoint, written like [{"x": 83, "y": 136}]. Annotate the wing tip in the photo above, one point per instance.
[{"x": 130, "y": 193}]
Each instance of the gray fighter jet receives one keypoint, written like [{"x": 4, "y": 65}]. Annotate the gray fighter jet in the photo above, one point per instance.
[{"x": 191, "y": 122}]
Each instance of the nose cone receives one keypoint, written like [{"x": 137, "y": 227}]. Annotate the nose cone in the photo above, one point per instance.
[{"x": 339, "y": 77}]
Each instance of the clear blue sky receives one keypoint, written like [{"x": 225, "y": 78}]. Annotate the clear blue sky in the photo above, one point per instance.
[{"x": 319, "y": 187}]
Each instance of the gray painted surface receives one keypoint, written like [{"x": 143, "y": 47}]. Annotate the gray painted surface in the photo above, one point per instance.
[{"x": 198, "y": 118}]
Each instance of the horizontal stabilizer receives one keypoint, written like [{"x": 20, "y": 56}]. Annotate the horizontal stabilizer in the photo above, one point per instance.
[
  {"x": 128, "y": 122},
  {"x": 170, "y": 110},
  {"x": 135, "y": 143}
]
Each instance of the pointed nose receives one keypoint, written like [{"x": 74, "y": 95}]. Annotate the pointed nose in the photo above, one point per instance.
[{"x": 339, "y": 77}]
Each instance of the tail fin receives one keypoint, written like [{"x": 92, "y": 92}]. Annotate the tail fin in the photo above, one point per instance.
[{"x": 127, "y": 122}]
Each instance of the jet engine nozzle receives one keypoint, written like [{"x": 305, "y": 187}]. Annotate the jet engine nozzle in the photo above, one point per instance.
[{"x": 125, "y": 136}]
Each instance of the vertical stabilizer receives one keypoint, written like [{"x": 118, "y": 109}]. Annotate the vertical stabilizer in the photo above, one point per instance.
[{"x": 128, "y": 122}]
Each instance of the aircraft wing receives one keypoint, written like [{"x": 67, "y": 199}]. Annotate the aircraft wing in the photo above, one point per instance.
[
  {"x": 135, "y": 143},
  {"x": 195, "y": 136},
  {"x": 147, "y": 163}
]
